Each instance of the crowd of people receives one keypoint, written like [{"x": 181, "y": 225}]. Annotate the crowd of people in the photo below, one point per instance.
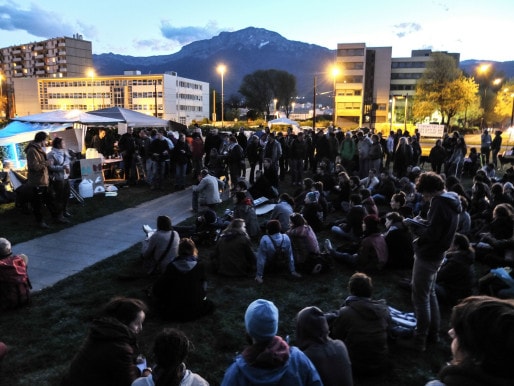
[{"x": 390, "y": 214}]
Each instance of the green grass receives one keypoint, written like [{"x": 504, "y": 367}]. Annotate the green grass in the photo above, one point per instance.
[{"x": 45, "y": 335}]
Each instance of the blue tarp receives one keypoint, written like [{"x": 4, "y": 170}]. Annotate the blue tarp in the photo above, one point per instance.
[{"x": 16, "y": 132}]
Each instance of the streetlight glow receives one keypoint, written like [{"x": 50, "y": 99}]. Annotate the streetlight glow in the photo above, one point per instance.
[{"x": 221, "y": 69}]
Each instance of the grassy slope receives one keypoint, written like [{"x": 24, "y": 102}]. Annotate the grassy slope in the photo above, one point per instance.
[{"x": 45, "y": 335}]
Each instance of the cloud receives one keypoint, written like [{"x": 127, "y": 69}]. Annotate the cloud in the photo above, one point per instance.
[
  {"x": 156, "y": 45},
  {"x": 38, "y": 22},
  {"x": 186, "y": 35},
  {"x": 404, "y": 29}
]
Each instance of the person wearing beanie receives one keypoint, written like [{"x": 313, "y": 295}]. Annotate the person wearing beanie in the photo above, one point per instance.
[
  {"x": 14, "y": 281},
  {"x": 269, "y": 360},
  {"x": 329, "y": 356}
]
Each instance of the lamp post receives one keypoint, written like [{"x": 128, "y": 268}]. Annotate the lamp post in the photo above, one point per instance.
[
  {"x": 91, "y": 73},
  {"x": 221, "y": 70},
  {"x": 335, "y": 72}
]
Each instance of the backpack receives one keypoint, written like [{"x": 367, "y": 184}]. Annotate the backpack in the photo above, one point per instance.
[
  {"x": 14, "y": 283},
  {"x": 280, "y": 257}
]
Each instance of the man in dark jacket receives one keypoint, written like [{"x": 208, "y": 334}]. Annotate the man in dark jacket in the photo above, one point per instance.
[
  {"x": 363, "y": 325},
  {"x": 435, "y": 237}
]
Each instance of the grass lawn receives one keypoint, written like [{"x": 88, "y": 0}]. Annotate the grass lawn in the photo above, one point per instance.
[{"x": 45, "y": 335}]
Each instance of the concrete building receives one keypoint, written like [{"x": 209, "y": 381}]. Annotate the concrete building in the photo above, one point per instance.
[
  {"x": 372, "y": 88},
  {"x": 166, "y": 96},
  {"x": 53, "y": 58}
]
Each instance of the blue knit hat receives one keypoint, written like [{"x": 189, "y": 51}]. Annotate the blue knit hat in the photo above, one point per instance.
[{"x": 261, "y": 320}]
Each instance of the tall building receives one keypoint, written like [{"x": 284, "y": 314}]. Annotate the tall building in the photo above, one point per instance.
[
  {"x": 373, "y": 88},
  {"x": 166, "y": 96},
  {"x": 53, "y": 58}
]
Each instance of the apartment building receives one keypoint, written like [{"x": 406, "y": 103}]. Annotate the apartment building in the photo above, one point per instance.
[
  {"x": 373, "y": 88},
  {"x": 167, "y": 96}
]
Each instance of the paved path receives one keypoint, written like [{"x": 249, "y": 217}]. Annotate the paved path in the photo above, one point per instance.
[{"x": 58, "y": 255}]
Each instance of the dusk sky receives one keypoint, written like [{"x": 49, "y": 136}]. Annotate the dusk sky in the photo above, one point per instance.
[{"x": 476, "y": 30}]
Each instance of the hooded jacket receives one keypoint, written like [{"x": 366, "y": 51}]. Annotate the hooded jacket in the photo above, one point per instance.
[
  {"x": 107, "y": 358},
  {"x": 233, "y": 255},
  {"x": 363, "y": 324},
  {"x": 274, "y": 364},
  {"x": 441, "y": 225},
  {"x": 329, "y": 356}
]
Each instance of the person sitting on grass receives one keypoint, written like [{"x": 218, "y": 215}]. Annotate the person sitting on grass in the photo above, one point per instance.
[
  {"x": 273, "y": 246},
  {"x": 160, "y": 247},
  {"x": 245, "y": 209},
  {"x": 108, "y": 356},
  {"x": 305, "y": 245},
  {"x": 269, "y": 360},
  {"x": 350, "y": 229},
  {"x": 456, "y": 277},
  {"x": 329, "y": 356},
  {"x": 372, "y": 255},
  {"x": 171, "y": 348},
  {"x": 398, "y": 238},
  {"x": 233, "y": 255},
  {"x": 180, "y": 292},
  {"x": 482, "y": 333},
  {"x": 14, "y": 281},
  {"x": 363, "y": 325}
]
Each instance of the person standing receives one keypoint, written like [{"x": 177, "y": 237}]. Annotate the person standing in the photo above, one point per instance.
[
  {"x": 59, "y": 173},
  {"x": 127, "y": 148},
  {"x": 181, "y": 154},
  {"x": 159, "y": 150},
  {"x": 485, "y": 146},
  {"x": 297, "y": 155},
  {"x": 435, "y": 236},
  {"x": 496, "y": 145},
  {"x": 38, "y": 180}
]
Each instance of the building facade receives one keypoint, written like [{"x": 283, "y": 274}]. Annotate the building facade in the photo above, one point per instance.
[
  {"x": 374, "y": 89},
  {"x": 166, "y": 96}
]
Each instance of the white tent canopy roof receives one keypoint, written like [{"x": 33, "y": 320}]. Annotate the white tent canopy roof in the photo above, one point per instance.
[
  {"x": 68, "y": 116},
  {"x": 17, "y": 132},
  {"x": 283, "y": 121},
  {"x": 130, "y": 117}
]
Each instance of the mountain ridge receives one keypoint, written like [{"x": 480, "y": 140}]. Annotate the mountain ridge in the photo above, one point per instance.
[{"x": 244, "y": 52}]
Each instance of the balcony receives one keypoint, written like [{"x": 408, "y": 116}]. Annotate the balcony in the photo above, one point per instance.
[{"x": 40, "y": 72}]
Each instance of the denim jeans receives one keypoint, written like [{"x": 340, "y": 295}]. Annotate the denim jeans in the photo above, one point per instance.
[
  {"x": 424, "y": 299},
  {"x": 180, "y": 174}
]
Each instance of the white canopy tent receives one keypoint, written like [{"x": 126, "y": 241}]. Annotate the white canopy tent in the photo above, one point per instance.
[
  {"x": 70, "y": 124},
  {"x": 130, "y": 118},
  {"x": 282, "y": 122}
]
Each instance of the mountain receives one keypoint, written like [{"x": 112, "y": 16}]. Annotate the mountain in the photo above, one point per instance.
[{"x": 244, "y": 52}]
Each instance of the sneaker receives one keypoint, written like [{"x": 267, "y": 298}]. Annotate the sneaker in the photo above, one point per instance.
[
  {"x": 328, "y": 246},
  {"x": 147, "y": 229},
  {"x": 67, "y": 214},
  {"x": 317, "y": 269},
  {"x": 295, "y": 274},
  {"x": 61, "y": 220},
  {"x": 43, "y": 225}
]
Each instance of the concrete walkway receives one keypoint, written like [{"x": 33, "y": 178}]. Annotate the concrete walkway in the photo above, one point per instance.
[{"x": 58, "y": 255}]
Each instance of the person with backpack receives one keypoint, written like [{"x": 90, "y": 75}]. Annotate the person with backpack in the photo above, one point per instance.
[
  {"x": 275, "y": 252},
  {"x": 14, "y": 281}
]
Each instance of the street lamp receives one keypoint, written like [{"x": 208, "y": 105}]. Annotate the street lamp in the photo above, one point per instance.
[
  {"x": 335, "y": 72},
  {"x": 91, "y": 73},
  {"x": 221, "y": 69}
]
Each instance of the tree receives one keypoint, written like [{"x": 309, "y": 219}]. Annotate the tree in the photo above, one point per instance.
[
  {"x": 443, "y": 87},
  {"x": 260, "y": 87},
  {"x": 504, "y": 106}
]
